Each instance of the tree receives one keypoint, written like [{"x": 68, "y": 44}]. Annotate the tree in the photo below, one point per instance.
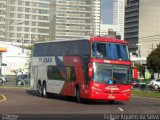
[
  {"x": 141, "y": 69},
  {"x": 153, "y": 60}
]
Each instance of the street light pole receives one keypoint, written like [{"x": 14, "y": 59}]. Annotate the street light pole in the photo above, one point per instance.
[
  {"x": 22, "y": 41},
  {"x": 139, "y": 50},
  {"x": 30, "y": 35},
  {"x": 30, "y": 32},
  {"x": 140, "y": 58}
]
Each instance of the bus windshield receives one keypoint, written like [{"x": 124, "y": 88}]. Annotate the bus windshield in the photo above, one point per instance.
[
  {"x": 113, "y": 51},
  {"x": 111, "y": 74}
]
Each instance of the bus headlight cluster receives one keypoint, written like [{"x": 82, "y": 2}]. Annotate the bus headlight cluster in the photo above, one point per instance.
[
  {"x": 96, "y": 89},
  {"x": 127, "y": 90}
]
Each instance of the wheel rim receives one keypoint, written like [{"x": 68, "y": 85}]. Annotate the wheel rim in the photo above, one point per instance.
[
  {"x": 156, "y": 87},
  {"x": 44, "y": 90},
  {"x": 39, "y": 90}
]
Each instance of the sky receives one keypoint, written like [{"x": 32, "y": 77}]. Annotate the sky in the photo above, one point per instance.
[{"x": 107, "y": 11}]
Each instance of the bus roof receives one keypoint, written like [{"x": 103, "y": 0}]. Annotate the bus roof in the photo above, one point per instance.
[
  {"x": 96, "y": 39},
  {"x": 62, "y": 40},
  {"x": 107, "y": 39}
]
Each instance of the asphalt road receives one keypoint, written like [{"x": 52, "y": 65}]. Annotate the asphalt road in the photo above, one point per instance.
[{"x": 25, "y": 102}]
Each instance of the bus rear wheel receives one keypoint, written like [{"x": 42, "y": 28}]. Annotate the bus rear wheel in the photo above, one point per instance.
[
  {"x": 40, "y": 92},
  {"x": 44, "y": 93}
]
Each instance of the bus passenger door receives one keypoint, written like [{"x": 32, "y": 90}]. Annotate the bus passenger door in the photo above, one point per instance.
[{"x": 35, "y": 77}]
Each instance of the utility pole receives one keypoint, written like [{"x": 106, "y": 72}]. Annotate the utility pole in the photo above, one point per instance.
[
  {"x": 140, "y": 58},
  {"x": 152, "y": 47},
  {"x": 22, "y": 39}
]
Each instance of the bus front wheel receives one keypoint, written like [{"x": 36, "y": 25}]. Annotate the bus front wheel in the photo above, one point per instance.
[{"x": 78, "y": 98}]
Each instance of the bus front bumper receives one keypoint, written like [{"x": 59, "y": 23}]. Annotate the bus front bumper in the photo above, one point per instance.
[{"x": 96, "y": 95}]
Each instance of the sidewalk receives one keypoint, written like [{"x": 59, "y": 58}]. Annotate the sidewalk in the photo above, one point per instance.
[{"x": 12, "y": 84}]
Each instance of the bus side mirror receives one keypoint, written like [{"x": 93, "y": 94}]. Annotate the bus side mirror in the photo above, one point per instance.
[{"x": 90, "y": 71}]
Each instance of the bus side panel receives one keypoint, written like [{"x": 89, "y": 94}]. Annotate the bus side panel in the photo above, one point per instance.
[
  {"x": 38, "y": 72},
  {"x": 34, "y": 76},
  {"x": 34, "y": 73},
  {"x": 69, "y": 86}
]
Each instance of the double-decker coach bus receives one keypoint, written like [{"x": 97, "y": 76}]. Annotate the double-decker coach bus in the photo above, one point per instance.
[{"x": 98, "y": 68}]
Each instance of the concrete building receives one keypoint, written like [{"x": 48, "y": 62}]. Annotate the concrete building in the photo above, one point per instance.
[
  {"x": 24, "y": 20},
  {"x": 74, "y": 18},
  {"x": 132, "y": 24},
  {"x": 142, "y": 25},
  {"x": 2, "y": 19},
  {"x": 29, "y": 20},
  {"x": 118, "y": 16}
]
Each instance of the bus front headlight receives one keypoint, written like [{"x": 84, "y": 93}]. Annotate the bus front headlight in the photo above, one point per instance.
[
  {"x": 126, "y": 90},
  {"x": 96, "y": 89}
]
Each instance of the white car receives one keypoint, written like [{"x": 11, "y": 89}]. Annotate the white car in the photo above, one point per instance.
[
  {"x": 155, "y": 84},
  {"x": 23, "y": 80},
  {"x": 3, "y": 79}
]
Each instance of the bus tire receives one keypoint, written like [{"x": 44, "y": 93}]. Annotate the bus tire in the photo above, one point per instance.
[
  {"x": 40, "y": 92},
  {"x": 78, "y": 98},
  {"x": 111, "y": 101},
  {"x": 44, "y": 92}
]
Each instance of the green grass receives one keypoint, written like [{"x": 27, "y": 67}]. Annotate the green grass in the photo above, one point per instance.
[{"x": 152, "y": 94}]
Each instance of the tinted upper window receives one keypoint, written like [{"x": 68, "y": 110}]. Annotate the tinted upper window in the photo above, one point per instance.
[
  {"x": 110, "y": 51},
  {"x": 79, "y": 47}
]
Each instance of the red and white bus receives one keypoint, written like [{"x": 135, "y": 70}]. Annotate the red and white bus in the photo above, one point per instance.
[{"x": 97, "y": 69}]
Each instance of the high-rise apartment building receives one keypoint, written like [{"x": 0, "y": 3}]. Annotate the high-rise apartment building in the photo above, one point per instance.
[
  {"x": 142, "y": 25},
  {"x": 33, "y": 20},
  {"x": 132, "y": 24},
  {"x": 74, "y": 18},
  {"x": 118, "y": 16},
  {"x": 2, "y": 19},
  {"x": 24, "y": 20}
]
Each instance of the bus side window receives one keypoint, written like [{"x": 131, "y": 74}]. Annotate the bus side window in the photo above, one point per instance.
[
  {"x": 73, "y": 74},
  {"x": 54, "y": 73},
  {"x": 94, "y": 50}
]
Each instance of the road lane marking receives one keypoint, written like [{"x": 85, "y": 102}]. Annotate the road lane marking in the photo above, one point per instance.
[
  {"x": 15, "y": 87},
  {"x": 3, "y": 98},
  {"x": 121, "y": 109}
]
